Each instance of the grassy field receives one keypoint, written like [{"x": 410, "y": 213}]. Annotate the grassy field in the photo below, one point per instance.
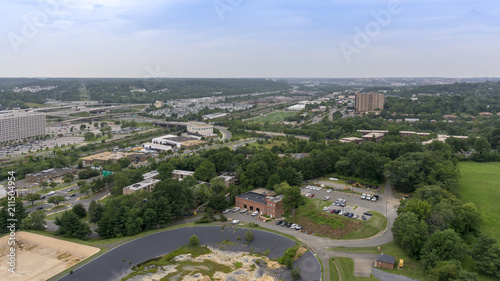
[
  {"x": 371, "y": 227},
  {"x": 412, "y": 268},
  {"x": 273, "y": 117},
  {"x": 346, "y": 269},
  {"x": 480, "y": 183}
]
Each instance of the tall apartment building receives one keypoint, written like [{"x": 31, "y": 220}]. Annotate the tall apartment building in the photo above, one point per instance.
[
  {"x": 369, "y": 102},
  {"x": 16, "y": 126}
]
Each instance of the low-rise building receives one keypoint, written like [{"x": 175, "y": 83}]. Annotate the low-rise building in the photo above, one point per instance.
[
  {"x": 49, "y": 174},
  {"x": 264, "y": 204},
  {"x": 156, "y": 146},
  {"x": 352, "y": 140},
  {"x": 107, "y": 156},
  {"x": 181, "y": 174},
  {"x": 175, "y": 141},
  {"x": 228, "y": 180},
  {"x": 150, "y": 175},
  {"x": 147, "y": 185},
  {"x": 200, "y": 128},
  {"x": 385, "y": 261}
]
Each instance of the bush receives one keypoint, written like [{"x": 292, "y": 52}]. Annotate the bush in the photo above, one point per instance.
[
  {"x": 194, "y": 241},
  {"x": 295, "y": 273},
  {"x": 223, "y": 218},
  {"x": 249, "y": 236},
  {"x": 252, "y": 224}
]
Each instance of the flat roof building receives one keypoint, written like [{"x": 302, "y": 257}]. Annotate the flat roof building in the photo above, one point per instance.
[
  {"x": 264, "y": 204},
  {"x": 200, "y": 128},
  {"x": 175, "y": 141},
  {"x": 16, "y": 126},
  {"x": 147, "y": 185},
  {"x": 104, "y": 157},
  {"x": 181, "y": 174},
  {"x": 49, "y": 174}
]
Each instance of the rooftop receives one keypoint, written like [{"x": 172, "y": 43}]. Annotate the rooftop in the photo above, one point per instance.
[
  {"x": 386, "y": 258},
  {"x": 151, "y": 174},
  {"x": 142, "y": 184},
  {"x": 254, "y": 197},
  {"x": 182, "y": 172},
  {"x": 50, "y": 171}
]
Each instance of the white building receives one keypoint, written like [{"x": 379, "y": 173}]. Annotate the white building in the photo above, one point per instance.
[
  {"x": 200, "y": 128},
  {"x": 20, "y": 125},
  {"x": 297, "y": 107}
]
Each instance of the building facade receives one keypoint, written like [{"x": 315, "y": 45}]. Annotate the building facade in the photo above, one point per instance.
[
  {"x": 16, "y": 126},
  {"x": 181, "y": 174},
  {"x": 385, "y": 261},
  {"x": 262, "y": 203},
  {"x": 369, "y": 102},
  {"x": 200, "y": 128}
]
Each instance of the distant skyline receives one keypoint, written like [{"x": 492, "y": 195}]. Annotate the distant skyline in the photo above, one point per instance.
[{"x": 249, "y": 38}]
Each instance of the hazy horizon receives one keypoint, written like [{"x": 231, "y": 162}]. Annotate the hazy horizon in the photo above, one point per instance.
[{"x": 249, "y": 39}]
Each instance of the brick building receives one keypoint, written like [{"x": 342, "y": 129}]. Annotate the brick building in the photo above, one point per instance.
[
  {"x": 385, "y": 261},
  {"x": 262, "y": 203}
]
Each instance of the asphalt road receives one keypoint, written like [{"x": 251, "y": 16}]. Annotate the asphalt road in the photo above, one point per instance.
[{"x": 117, "y": 263}]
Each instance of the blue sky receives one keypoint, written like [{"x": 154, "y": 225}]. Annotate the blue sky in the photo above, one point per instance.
[{"x": 244, "y": 38}]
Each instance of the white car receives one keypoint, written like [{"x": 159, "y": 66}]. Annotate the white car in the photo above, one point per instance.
[
  {"x": 333, "y": 179},
  {"x": 326, "y": 198},
  {"x": 326, "y": 208},
  {"x": 236, "y": 209},
  {"x": 363, "y": 196},
  {"x": 235, "y": 221},
  {"x": 255, "y": 213},
  {"x": 51, "y": 193},
  {"x": 243, "y": 211},
  {"x": 226, "y": 211},
  {"x": 368, "y": 197},
  {"x": 328, "y": 191}
]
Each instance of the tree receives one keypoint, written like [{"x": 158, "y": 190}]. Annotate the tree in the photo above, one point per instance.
[
  {"x": 35, "y": 221},
  {"x": 410, "y": 233},
  {"x": 89, "y": 136},
  {"x": 82, "y": 127},
  {"x": 56, "y": 200},
  {"x": 481, "y": 145},
  {"x": 53, "y": 184},
  {"x": 217, "y": 201},
  {"x": 273, "y": 180},
  {"x": 71, "y": 226},
  {"x": 296, "y": 274},
  {"x": 79, "y": 210},
  {"x": 217, "y": 185},
  {"x": 68, "y": 177},
  {"x": 95, "y": 211},
  {"x": 281, "y": 188},
  {"x": 293, "y": 198},
  {"x": 165, "y": 170},
  {"x": 206, "y": 171},
  {"x": 124, "y": 162},
  {"x": 451, "y": 270},
  {"x": 486, "y": 254},
  {"x": 194, "y": 241},
  {"x": 442, "y": 246},
  {"x": 6, "y": 216},
  {"x": 419, "y": 207},
  {"x": 32, "y": 197},
  {"x": 44, "y": 185}
]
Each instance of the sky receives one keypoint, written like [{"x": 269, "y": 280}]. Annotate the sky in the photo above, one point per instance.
[{"x": 250, "y": 38}]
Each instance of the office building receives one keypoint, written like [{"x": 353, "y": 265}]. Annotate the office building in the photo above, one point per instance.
[
  {"x": 200, "y": 128},
  {"x": 261, "y": 202},
  {"x": 369, "y": 102}
]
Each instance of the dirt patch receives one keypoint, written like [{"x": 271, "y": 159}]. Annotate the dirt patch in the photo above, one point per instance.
[
  {"x": 299, "y": 253},
  {"x": 39, "y": 257},
  {"x": 327, "y": 230}
]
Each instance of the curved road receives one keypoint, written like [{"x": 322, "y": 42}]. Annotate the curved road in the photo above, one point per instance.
[{"x": 116, "y": 263}]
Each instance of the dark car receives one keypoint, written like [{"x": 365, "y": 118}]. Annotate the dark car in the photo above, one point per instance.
[
  {"x": 72, "y": 195},
  {"x": 363, "y": 217},
  {"x": 43, "y": 197},
  {"x": 346, "y": 214},
  {"x": 284, "y": 223},
  {"x": 367, "y": 214},
  {"x": 278, "y": 222},
  {"x": 350, "y": 215},
  {"x": 39, "y": 208},
  {"x": 338, "y": 211},
  {"x": 289, "y": 224}
]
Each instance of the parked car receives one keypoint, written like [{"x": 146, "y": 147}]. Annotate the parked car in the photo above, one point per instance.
[
  {"x": 284, "y": 223},
  {"x": 329, "y": 191},
  {"x": 255, "y": 213},
  {"x": 326, "y": 208},
  {"x": 363, "y": 196},
  {"x": 71, "y": 189},
  {"x": 51, "y": 193},
  {"x": 226, "y": 211},
  {"x": 39, "y": 208},
  {"x": 326, "y": 198},
  {"x": 244, "y": 211},
  {"x": 278, "y": 222},
  {"x": 368, "y": 197},
  {"x": 68, "y": 198},
  {"x": 374, "y": 198},
  {"x": 363, "y": 217},
  {"x": 43, "y": 197},
  {"x": 332, "y": 211},
  {"x": 367, "y": 214},
  {"x": 236, "y": 209},
  {"x": 73, "y": 195},
  {"x": 355, "y": 216},
  {"x": 312, "y": 195},
  {"x": 235, "y": 222},
  {"x": 350, "y": 215}
]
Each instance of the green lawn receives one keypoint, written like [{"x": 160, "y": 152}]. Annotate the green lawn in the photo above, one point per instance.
[
  {"x": 273, "y": 117},
  {"x": 412, "y": 268},
  {"x": 371, "y": 227},
  {"x": 480, "y": 183},
  {"x": 346, "y": 268}
]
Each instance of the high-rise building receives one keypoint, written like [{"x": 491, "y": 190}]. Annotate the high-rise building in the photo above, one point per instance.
[
  {"x": 369, "y": 102},
  {"x": 15, "y": 126}
]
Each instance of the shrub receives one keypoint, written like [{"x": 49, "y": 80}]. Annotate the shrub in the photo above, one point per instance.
[
  {"x": 295, "y": 273},
  {"x": 252, "y": 224},
  {"x": 249, "y": 236},
  {"x": 194, "y": 241},
  {"x": 223, "y": 218}
]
